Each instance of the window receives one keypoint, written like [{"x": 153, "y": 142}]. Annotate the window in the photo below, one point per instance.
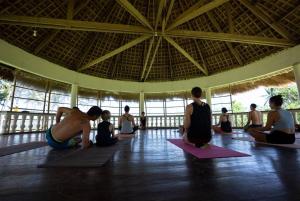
[
  {"x": 220, "y": 101},
  {"x": 154, "y": 107},
  {"x": 175, "y": 107}
]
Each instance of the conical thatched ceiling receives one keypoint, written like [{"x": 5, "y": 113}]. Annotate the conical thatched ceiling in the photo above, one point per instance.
[{"x": 151, "y": 40}]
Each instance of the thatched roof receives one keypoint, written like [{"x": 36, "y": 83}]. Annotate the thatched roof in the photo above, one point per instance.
[
  {"x": 278, "y": 79},
  {"x": 160, "y": 40}
]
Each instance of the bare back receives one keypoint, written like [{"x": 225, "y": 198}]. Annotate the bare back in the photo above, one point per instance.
[
  {"x": 255, "y": 117},
  {"x": 75, "y": 122}
]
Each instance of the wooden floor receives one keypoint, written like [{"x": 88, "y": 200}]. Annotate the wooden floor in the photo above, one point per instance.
[{"x": 150, "y": 168}]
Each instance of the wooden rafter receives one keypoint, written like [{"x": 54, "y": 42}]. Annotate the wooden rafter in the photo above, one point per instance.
[
  {"x": 153, "y": 58},
  {"x": 92, "y": 37},
  {"x": 159, "y": 12},
  {"x": 70, "y": 9},
  {"x": 134, "y": 12},
  {"x": 147, "y": 57},
  {"x": 114, "y": 52},
  {"x": 229, "y": 17},
  {"x": 238, "y": 38},
  {"x": 229, "y": 45},
  {"x": 166, "y": 18},
  {"x": 121, "y": 41},
  {"x": 87, "y": 48},
  {"x": 184, "y": 53},
  {"x": 195, "y": 11},
  {"x": 267, "y": 19},
  {"x": 195, "y": 42},
  {"x": 54, "y": 23},
  {"x": 53, "y": 33}
]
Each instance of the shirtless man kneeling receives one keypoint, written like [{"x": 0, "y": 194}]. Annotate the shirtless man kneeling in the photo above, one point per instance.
[{"x": 61, "y": 135}]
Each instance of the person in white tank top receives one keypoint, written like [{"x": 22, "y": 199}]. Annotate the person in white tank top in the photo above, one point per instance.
[
  {"x": 280, "y": 122},
  {"x": 126, "y": 122}
]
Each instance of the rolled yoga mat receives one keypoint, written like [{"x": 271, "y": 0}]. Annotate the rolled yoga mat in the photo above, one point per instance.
[
  {"x": 79, "y": 158},
  {"x": 211, "y": 151},
  {"x": 250, "y": 139},
  {"x": 21, "y": 147}
]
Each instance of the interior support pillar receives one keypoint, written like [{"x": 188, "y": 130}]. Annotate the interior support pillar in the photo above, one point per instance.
[
  {"x": 208, "y": 96},
  {"x": 142, "y": 102},
  {"x": 74, "y": 95},
  {"x": 296, "y": 68}
]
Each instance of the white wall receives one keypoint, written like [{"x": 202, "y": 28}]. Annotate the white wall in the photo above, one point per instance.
[{"x": 25, "y": 61}]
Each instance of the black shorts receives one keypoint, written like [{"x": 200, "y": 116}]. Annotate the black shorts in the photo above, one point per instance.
[
  {"x": 199, "y": 139},
  {"x": 279, "y": 137}
]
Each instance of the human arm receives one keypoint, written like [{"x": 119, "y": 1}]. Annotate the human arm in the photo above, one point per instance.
[
  {"x": 112, "y": 130},
  {"x": 270, "y": 121},
  {"x": 60, "y": 112},
  {"x": 86, "y": 135},
  {"x": 187, "y": 118},
  {"x": 132, "y": 121}
]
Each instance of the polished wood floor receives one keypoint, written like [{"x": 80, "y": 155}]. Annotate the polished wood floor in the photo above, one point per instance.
[{"x": 148, "y": 167}]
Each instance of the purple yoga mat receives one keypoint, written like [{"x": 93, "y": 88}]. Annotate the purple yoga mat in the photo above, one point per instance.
[{"x": 211, "y": 151}]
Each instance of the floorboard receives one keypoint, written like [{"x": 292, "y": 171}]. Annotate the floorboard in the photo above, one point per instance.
[{"x": 148, "y": 168}]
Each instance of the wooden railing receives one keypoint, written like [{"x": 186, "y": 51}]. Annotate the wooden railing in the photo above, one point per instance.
[{"x": 22, "y": 122}]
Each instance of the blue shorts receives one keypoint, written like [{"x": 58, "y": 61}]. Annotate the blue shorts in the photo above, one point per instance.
[{"x": 59, "y": 145}]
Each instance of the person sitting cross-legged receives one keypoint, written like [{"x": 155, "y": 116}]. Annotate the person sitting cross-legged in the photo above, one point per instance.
[
  {"x": 224, "y": 125},
  {"x": 254, "y": 118},
  {"x": 280, "y": 122},
  {"x": 197, "y": 121},
  {"x": 126, "y": 122},
  {"x": 106, "y": 131}
]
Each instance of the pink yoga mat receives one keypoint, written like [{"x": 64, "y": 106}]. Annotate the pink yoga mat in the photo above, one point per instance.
[{"x": 211, "y": 151}]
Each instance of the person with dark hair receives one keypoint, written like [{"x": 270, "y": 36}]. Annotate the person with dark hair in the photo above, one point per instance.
[
  {"x": 106, "y": 131},
  {"x": 254, "y": 117},
  {"x": 143, "y": 120},
  {"x": 197, "y": 121},
  {"x": 280, "y": 122},
  {"x": 126, "y": 122},
  {"x": 224, "y": 125},
  {"x": 61, "y": 135}
]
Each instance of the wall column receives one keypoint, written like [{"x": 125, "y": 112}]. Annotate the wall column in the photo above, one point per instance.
[
  {"x": 142, "y": 102},
  {"x": 296, "y": 69},
  {"x": 208, "y": 96},
  {"x": 74, "y": 94}
]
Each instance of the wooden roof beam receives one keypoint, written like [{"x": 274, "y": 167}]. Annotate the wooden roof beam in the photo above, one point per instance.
[
  {"x": 195, "y": 41},
  {"x": 153, "y": 58},
  {"x": 231, "y": 49},
  {"x": 195, "y": 11},
  {"x": 114, "y": 52},
  {"x": 187, "y": 55},
  {"x": 266, "y": 19},
  {"x": 70, "y": 9},
  {"x": 166, "y": 18},
  {"x": 54, "y": 23},
  {"x": 135, "y": 13},
  {"x": 159, "y": 12},
  {"x": 147, "y": 57},
  {"x": 228, "y": 37},
  {"x": 52, "y": 35}
]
